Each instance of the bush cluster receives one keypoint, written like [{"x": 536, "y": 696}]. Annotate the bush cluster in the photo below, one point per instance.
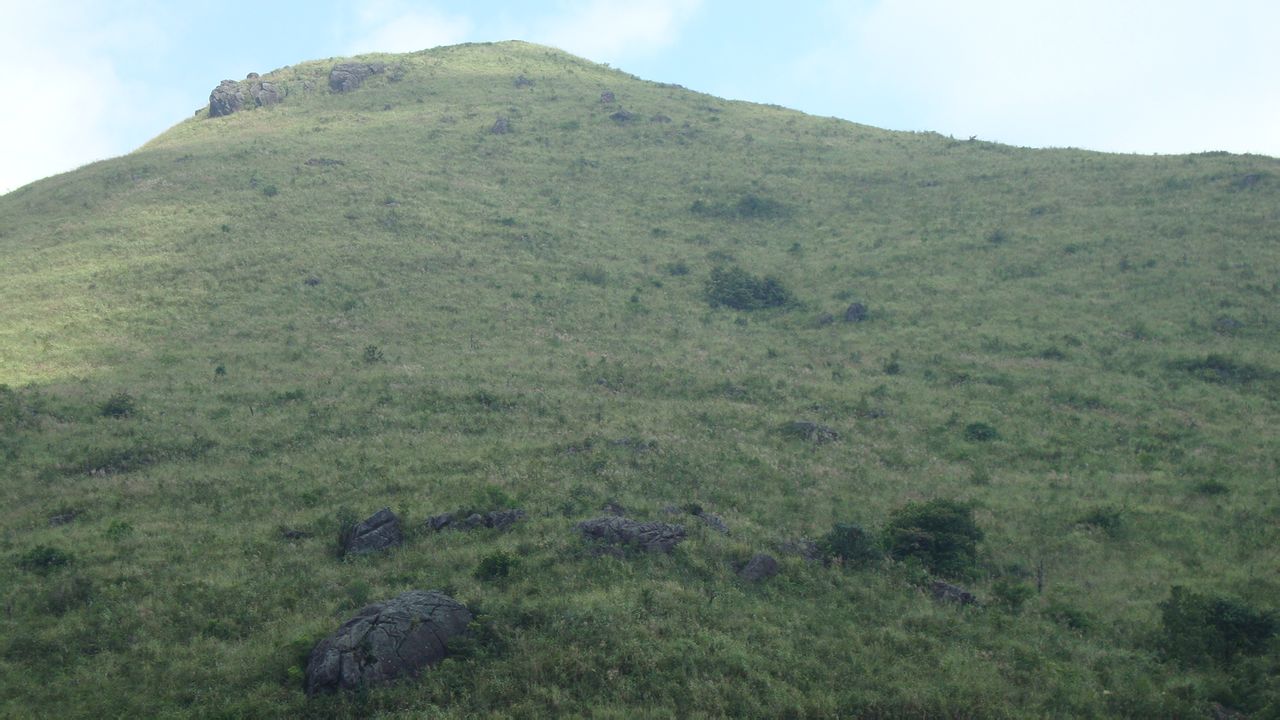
[
  {"x": 736, "y": 288},
  {"x": 940, "y": 534},
  {"x": 1201, "y": 626}
]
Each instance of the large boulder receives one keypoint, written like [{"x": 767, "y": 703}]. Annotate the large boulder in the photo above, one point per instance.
[
  {"x": 225, "y": 99},
  {"x": 379, "y": 531},
  {"x": 396, "y": 638},
  {"x": 345, "y": 77},
  {"x": 626, "y": 533}
]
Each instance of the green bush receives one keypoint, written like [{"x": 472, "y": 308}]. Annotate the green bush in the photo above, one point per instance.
[
  {"x": 496, "y": 566},
  {"x": 1012, "y": 595},
  {"x": 980, "y": 432},
  {"x": 940, "y": 534},
  {"x": 43, "y": 559},
  {"x": 1198, "y": 626},
  {"x": 119, "y": 405},
  {"x": 851, "y": 544},
  {"x": 740, "y": 290}
]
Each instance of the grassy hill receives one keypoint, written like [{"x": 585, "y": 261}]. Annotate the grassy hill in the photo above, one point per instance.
[{"x": 295, "y": 315}]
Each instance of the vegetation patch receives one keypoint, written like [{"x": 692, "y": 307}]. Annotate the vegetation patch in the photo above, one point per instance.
[
  {"x": 736, "y": 288},
  {"x": 939, "y": 534}
]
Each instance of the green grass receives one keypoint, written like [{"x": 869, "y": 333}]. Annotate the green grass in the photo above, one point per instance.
[{"x": 430, "y": 316}]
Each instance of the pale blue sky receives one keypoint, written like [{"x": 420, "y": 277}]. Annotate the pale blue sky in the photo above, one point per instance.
[{"x": 89, "y": 79}]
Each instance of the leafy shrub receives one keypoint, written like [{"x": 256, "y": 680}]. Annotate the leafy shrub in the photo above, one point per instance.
[
  {"x": 677, "y": 268},
  {"x": 119, "y": 405},
  {"x": 119, "y": 530},
  {"x": 594, "y": 275},
  {"x": 980, "y": 432},
  {"x": 1221, "y": 369},
  {"x": 1198, "y": 626},
  {"x": 1108, "y": 519},
  {"x": 43, "y": 559},
  {"x": 271, "y": 191},
  {"x": 1068, "y": 615},
  {"x": 372, "y": 354},
  {"x": 496, "y": 566},
  {"x": 740, "y": 290},
  {"x": 1012, "y": 595},
  {"x": 851, "y": 544},
  {"x": 941, "y": 534},
  {"x": 756, "y": 207},
  {"x": 346, "y": 520},
  {"x": 1212, "y": 487}
]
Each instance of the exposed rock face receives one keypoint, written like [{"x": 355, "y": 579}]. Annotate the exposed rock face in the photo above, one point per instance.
[
  {"x": 497, "y": 520},
  {"x": 226, "y": 99},
  {"x": 761, "y": 567},
  {"x": 946, "y": 592},
  {"x": 622, "y": 532},
  {"x": 379, "y": 532},
  {"x": 345, "y": 77},
  {"x": 385, "y": 641}
]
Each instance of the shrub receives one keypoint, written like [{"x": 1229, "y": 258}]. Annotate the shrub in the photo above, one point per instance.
[
  {"x": 851, "y": 544},
  {"x": 372, "y": 354},
  {"x": 1198, "y": 626},
  {"x": 496, "y": 566},
  {"x": 980, "y": 432},
  {"x": 1011, "y": 594},
  {"x": 43, "y": 559},
  {"x": 941, "y": 534},
  {"x": 1221, "y": 369},
  {"x": 1068, "y": 615},
  {"x": 119, "y": 405},
  {"x": 740, "y": 290},
  {"x": 1108, "y": 519}
]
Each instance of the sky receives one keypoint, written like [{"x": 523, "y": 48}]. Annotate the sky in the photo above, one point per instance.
[{"x": 92, "y": 79}]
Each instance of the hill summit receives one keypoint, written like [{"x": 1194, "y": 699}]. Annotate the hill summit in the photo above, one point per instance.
[{"x": 681, "y": 406}]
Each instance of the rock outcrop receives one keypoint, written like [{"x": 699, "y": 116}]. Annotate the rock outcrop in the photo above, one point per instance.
[
  {"x": 496, "y": 519},
  {"x": 620, "y": 532},
  {"x": 385, "y": 641},
  {"x": 226, "y": 99},
  {"x": 345, "y": 77},
  {"x": 378, "y": 532}
]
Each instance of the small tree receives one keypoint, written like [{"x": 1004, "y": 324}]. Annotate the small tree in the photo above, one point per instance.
[
  {"x": 740, "y": 290},
  {"x": 940, "y": 534}
]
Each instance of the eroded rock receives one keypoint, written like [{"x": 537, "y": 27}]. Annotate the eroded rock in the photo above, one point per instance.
[
  {"x": 345, "y": 77},
  {"x": 226, "y": 99},
  {"x": 856, "y": 312},
  {"x": 385, "y": 641},
  {"x": 626, "y": 533},
  {"x": 378, "y": 532}
]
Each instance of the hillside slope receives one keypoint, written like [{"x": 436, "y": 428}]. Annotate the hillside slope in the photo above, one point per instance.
[{"x": 476, "y": 282}]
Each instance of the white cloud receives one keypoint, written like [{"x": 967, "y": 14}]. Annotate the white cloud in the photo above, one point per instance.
[
  {"x": 612, "y": 30},
  {"x": 392, "y": 26},
  {"x": 1173, "y": 76},
  {"x": 68, "y": 103}
]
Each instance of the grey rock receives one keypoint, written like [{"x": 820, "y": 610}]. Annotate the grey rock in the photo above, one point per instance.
[
  {"x": 522, "y": 81},
  {"x": 385, "y": 641},
  {"x": 758, "y": 568},
  {"x": 857, "y": 312},
  {"x": 607, "y": 97},
  {"x": 65, "y": 517},
  {"x": 226, "y": 99},
  {"x": 264, "y": 94},
  {"x": 497, "y": 520},
  {"x": 715, "y": 522},
  {"x": 293, "y": 534},
  {"x": 345, "y": 77},
  {"x": 811, "y": 431},
  {"x": 946, "y": 592},
  {"x": 803, "y": 547},
  {"x": 825, "y": 319},
  {"x": 501, "y": 126},
  {"x": 622, "y": 116},
  {"x": 378, "y": 532},
  {"x": 622, "y": 532}
]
